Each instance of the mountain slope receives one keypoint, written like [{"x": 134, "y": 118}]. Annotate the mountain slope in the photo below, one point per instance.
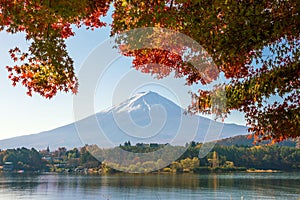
[
  {"x": 146, "y": 117},
  {"x": 243, "y": 140}
]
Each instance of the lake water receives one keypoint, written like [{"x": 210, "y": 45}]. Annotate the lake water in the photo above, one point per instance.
[{"x": 152, "y": 186}]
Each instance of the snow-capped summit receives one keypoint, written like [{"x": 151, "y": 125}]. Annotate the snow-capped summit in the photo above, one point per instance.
[
  {"x": 142, "y": 98},
  {"x": 143, "y": 102},
  {"x": 145, "y": 116}
]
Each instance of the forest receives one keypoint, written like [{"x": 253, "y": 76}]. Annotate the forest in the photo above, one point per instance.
[{"x": 94, "y": 160}]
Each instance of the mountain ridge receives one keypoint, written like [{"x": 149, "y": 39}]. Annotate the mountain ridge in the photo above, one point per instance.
[{"x": 139, "y": 118}]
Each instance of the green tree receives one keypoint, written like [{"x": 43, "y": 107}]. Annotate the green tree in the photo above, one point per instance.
[
  {"x": 10, "y": 156},
  {"x": 24, "y": 159}
]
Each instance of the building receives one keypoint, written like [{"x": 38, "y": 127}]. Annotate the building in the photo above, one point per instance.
[{"x": 8, "y": 166}]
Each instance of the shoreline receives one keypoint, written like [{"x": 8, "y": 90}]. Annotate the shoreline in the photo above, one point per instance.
[
  {"x": 262, "y": 171},
  {"x": 93, "y": 173}
]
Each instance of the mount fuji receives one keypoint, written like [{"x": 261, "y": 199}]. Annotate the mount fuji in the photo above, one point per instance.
[{"x": 144, "y": 118}]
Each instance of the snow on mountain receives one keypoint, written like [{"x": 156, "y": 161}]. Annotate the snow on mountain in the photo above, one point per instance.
[{"x": 146, "y": 117}]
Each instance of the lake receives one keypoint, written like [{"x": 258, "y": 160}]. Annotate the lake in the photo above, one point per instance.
[{"x": 151, "y": 186}]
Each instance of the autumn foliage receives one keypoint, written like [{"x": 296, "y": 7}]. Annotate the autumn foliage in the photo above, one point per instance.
[
  {"x": 46, "y": 67},
  {"x": 255, "y": 44}
]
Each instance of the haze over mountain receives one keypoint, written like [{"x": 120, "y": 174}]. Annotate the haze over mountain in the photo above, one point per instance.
[{"x": 146, "y": 117}]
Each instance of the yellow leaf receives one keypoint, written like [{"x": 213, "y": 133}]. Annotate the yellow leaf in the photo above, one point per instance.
[{"x": 124, "y": 3}]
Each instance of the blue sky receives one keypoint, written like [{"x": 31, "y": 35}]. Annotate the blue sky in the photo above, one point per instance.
[{"x": 21, "y": 114}]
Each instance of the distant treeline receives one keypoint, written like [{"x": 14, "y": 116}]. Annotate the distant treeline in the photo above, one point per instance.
[{"x": 160, "y": 157}]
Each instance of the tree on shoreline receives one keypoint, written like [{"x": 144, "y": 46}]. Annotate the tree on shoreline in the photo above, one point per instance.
[
  {"x": 236, "y": 34},
  {"x": 229, "y": 158}
]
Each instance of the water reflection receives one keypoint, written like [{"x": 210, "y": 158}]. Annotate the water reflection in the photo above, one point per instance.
[
  {"x": 19, "y": 181},
  {"x": 152, "y": 186}
]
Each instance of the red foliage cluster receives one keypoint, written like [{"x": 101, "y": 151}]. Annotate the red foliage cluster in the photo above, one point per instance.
[{"x": 46, "y": 67}]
